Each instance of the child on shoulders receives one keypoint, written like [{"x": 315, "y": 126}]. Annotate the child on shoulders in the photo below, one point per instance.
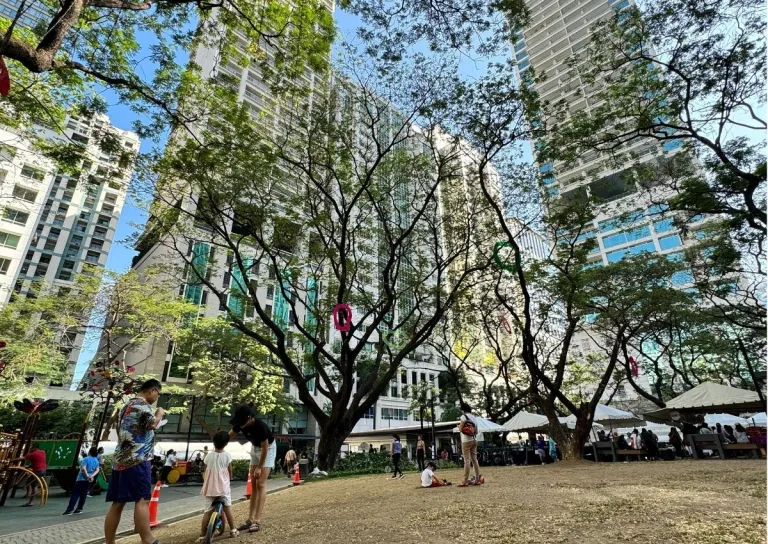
[
  {"x": 218, "y": 473},
  {"x": 428, "y": 478}
]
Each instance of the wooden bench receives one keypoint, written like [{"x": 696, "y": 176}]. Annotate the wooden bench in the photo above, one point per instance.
[
  {"x": 705, "y": 441},
  {"x": 638, "y": 453},
  {"x": 744, "y": 446},
  {"x": 604, "y": 447}
]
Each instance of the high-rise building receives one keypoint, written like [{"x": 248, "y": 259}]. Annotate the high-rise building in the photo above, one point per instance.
[
  {"x": 52, "y": 224},
  {"x": 628, "y": 221},
  {"x": 26, "y": 13}
]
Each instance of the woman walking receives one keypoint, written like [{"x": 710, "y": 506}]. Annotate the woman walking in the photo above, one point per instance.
[
  {"x": 170, "y": 460},
  {"x": 397, "y": 451},
  {"x": 420, "y": 453}
]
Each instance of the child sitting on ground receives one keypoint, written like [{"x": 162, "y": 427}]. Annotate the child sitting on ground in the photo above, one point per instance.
[
  {"x": 428, "y": 478},
  {"x": 218, "y": 473}
]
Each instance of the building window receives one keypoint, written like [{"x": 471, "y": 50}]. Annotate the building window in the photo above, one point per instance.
[
  {"x": 9, "y": 240},
  {"x": 24, "y": 194},
  {"x": 397, "y": 414},
  {"x": 270, "y": 292},
  {"x": 670, "y": 242},
  {"x": 4, "y": 265},
  {"x": 15, "y": 216},
  {"x": 65, "y": 275},
  {"x": 370, "y": 413},
  {"x": 32, "y": 173}
]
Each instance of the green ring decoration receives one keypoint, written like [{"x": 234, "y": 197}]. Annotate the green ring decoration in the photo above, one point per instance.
[{"x": 504, "y": 266}]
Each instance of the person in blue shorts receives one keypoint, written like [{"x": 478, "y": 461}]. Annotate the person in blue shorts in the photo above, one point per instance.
[{"x": 131, "y": 470}]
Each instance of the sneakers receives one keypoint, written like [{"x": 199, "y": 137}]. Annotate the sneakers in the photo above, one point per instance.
[
  {"x": 233, "y": 533},
  {"x": 164, "y": 485},
  {"x": 26, "y": 505},
  {"x": 78, "y": 511},
  {"x": 67, "y": 514}
]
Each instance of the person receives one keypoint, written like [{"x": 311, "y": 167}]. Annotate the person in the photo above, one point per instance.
[
  {"x": 444, "y": 455},
  {"x": 95, "y": 487},
  {"x": 131, "y": 471},
  {"x": 38, "y": 465},
  {"x": 420, "y": 453},
  {"x": 428, "y": 478},
  {"x": 198, "y": 461},
  {"x": 636, "y": 440},
  {"x": 469, "y": 439},
  {"x": 170, "y": 460},
  {"x": 89, "y": 468},
  {"x": 704, "y": 428},
  {"x": 648, "y": 442},
  {"x": 676, "y": 440},
  {"x": 263, "y": 454},
  {"x": 601, "y": 435},
  {"x": 552, "y": 449},
  {"x": 289, "y": 461},
  {"x": 216, "y": 487},
  {"x": 728, "y": 434},
  {"x": 741, "y": 434},
  {"x": 371, "y": 450},
  {"x": 540, "y": 445},
  {"x": 621, "y": 441},
  {"x": 397, "y": 451}
]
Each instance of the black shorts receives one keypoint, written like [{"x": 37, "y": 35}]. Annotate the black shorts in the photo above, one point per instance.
[{"x": 33, "y": 482}]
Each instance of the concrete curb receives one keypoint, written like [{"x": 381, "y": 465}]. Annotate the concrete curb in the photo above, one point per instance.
[{"x": 180, "y": 517}]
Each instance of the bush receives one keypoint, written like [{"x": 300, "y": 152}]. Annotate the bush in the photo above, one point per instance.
[
  {"x": 240, "y": 469},
  {"x": 108, "y": 459},
  {"x": 369, "y": 463}
]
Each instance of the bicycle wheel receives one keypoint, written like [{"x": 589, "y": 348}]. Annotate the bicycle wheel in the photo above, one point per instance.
[
  {"x": 221, "y": 525},
  {"x": 211, "y": 527}
]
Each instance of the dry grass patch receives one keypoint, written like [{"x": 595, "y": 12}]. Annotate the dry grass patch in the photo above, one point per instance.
[{"x": 685, "y": 502}]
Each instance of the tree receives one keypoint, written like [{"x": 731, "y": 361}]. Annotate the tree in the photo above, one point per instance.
[
  {"x": 120, "y": 312},
  {"x": 689, "y": 75},
  {"x": 346, "y": 211},
  {"x": 65, "y": 420}
]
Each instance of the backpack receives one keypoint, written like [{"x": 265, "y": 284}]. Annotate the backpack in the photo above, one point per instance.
[{"x": 468, "y": 427}]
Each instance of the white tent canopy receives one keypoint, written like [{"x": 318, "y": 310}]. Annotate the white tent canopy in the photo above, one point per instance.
[
  {"x": 570, "y": 422},
  {"x": 526, "y": 420},
  {"x": 708, "y": 398},
  {"x": 757, "y": 420},
  {"x": 724, "y": 419},
  {"x": 486, "y": 426},
  {"x": 613, "y": 417}
]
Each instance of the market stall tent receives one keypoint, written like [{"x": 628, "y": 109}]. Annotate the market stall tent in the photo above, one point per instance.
[{"x": 708, "y": 398}]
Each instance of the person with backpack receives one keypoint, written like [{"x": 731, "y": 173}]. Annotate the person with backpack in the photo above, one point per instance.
[{"x": 469, "y": 439}]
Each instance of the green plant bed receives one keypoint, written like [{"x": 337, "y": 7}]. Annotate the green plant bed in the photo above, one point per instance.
[{"x": 356, "y": 464}]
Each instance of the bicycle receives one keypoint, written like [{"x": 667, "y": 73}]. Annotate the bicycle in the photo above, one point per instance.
[{"x": 216, "y": 523}]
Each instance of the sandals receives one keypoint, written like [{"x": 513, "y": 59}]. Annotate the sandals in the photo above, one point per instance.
[
  {"x": 255, "y": 527},
  {"x": 245, "y": 526},
  {"x": 233, "y": 533}
]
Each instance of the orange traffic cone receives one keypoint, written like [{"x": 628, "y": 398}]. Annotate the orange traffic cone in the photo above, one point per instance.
[
  {"x": 296, "y": 477},
  {"x": 154, "y": 502},
  {"x": 248, "y": 486}
]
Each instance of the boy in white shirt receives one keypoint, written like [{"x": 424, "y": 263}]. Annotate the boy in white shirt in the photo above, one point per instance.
[{"x": 428, "y": 478}]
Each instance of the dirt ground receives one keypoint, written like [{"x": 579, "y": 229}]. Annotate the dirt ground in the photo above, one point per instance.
[{"x": 686, "y": 502}]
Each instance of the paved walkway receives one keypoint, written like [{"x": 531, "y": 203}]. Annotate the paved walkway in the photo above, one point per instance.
[{"x": 181, "y": 502}]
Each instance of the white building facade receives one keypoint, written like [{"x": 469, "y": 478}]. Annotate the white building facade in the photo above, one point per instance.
[{"x": 53, "y": 224}]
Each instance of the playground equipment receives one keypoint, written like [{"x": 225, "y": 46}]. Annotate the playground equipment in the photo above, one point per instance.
[
  {"x": 186, "y": 471},
  {"x": 62, "y": 456}
]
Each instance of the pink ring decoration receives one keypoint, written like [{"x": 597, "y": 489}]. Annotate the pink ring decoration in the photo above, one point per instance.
[
  {"x": 505, "y": 324},
  {"x": 342, "y": 322},
  {"x": 633, "y": 366}
]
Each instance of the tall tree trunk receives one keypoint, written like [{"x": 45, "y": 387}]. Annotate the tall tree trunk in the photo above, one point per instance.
[
  {"x": 331, "y": 439},
  {"x": 574, "y": 449}
]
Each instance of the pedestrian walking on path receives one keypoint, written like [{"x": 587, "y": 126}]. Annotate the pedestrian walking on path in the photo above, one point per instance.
[
  {"x": 263, "y": 454},
  {"x": 38, "y": 465},
  {"x": 89, "y": 468},
  {"x": 170, "y": 460},
  {"x": 131, "y": 471}
]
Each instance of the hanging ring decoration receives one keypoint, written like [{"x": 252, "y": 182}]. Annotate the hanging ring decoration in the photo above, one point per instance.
[
  {"x": 342, "y": 317},
  {"x": 5, "y": 78},
  {"x": 505, "y": 324},
  {"x": 503, "y": 265},
  {"x": 633, "y": 367}
]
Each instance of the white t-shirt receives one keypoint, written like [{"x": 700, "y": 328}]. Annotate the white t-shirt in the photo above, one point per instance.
[
  {"x": 216, "y": 482},
  {"x": 426, "y": 478},
  {"x": 466, "y": 438},
  {"x": 170, "y": 460}
]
